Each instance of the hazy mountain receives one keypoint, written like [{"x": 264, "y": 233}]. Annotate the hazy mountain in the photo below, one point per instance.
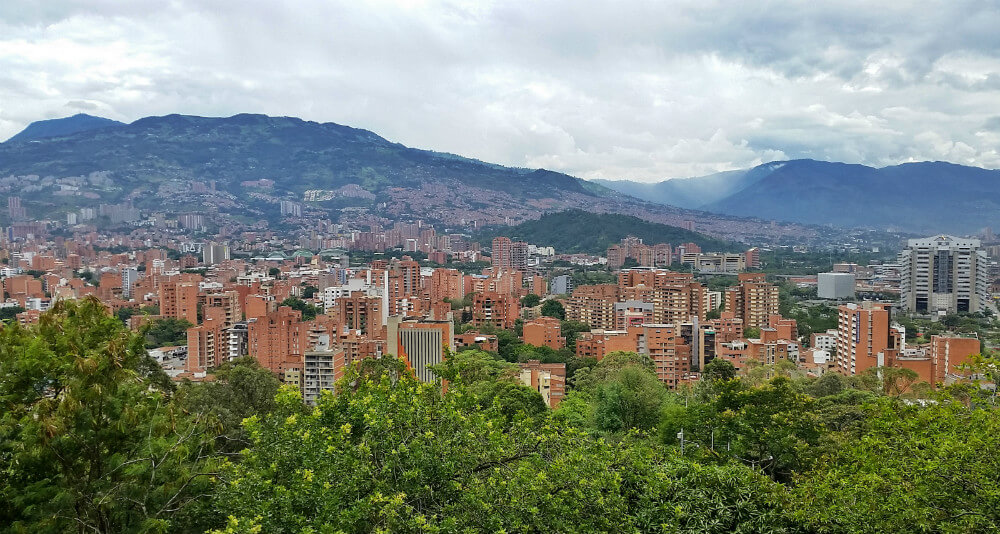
[
  {"x": 80, "y": 122},
  {"x": 929, "y": 197},
  {"x": 693, "y": 192},
  {"x": 924, "y": 197},
  {"x": 580, "y": 231}
]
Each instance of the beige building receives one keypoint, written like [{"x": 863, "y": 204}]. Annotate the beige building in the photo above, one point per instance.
[{"x": 943, "y": 274}]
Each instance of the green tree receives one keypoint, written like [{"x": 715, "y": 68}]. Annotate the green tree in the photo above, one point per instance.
[
  {"x": 309, "y": 291},
  {"x": 829, "y": 384},
  {"x": 124, "y": 314},
  {"x": 512, "y": 399},
  {"x": 631, "y": 400},
  {"x": 89, "y": 441},
  {"x": 842, "y": 416},
  {"x": 751, "y": 332},
  {"x": 553, "y": 308},
  {"x": 719, "y": 369},
  {"x": 492, "y": 381},
  {"x": 390, "y": 454},
  {"x": 507, "y": 344},
  {"x": 576, "y": 409},
  {"x": 471, "y": 367},
  {"x": 10, "y": 312},
  {"x": 571, "y": 331},
  {"x": 914, "y": 469},
  {"x": 770, "y": 426},
  {"x": 621, "y": 359},
  {"x": 530, "y": 300},
  {"x": 241, "y": 389},
  {"x": 895, "y": 381},
  {"x": 985, "y": 370},
  {"x": 309, "y": 311},
  {"x": 165, "y": 332}
]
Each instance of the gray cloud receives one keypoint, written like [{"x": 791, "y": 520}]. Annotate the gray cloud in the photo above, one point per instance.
[
  {"x": 641, "y": 90},
  {"x": 992, "y": 124},
  {"x": 82, "y": 105}
]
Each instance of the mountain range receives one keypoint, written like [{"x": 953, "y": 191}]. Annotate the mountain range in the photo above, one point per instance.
[
  {"x": 240, "y": 169},
  {"x": 925, "y": 197}
]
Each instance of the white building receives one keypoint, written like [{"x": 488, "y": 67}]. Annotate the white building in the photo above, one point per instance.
[
  {"x": 835, "y": 285},
  {"x": 215, "y": 253},
  {"x": 130, "y": 275},
  {"x": 332, "y": 293},
  {"x": 561, "y": 285},
  {"x": 824, "y": 341},
  {"x": 368, "y": 285},
  {"x": 943, "y": 274},
  {"x": 318, "y": 370}
]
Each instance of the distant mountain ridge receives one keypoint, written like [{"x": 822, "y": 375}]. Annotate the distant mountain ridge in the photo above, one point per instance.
[
  {"x": 297, "y": 154},
  {"x": 925, "y": 197},
  {"x": 81, "y": 122},
  {"x": 240, "y": 169},
  {"x": 691, "y": 192}
]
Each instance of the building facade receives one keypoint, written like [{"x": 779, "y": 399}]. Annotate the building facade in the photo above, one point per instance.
[
  {"x": 835, "y": 285},
  {"x": 943, "y": 274},
  {"x": 421, "y": 344},
  {"x": 864, "y": 335},
  {"x": 548, "y": 379},
  {"x": 754, "y": 300},
  {"x": 544, "y": 332}
]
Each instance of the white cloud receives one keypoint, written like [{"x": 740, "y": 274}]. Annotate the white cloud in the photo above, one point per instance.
[{"x": 634, "y": 90}]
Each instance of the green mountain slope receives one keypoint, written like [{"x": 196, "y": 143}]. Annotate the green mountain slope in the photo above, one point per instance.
[
  {"x": 238, "y": 170},
  {"x": 297, "y": 154},
  {"x": 155, "y": 163},
  {"x": 577, "y": 231}
]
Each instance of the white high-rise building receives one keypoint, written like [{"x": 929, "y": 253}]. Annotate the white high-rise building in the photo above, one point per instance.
[
  {"x": 835, "y": 285},
  {"x": 130, "y": 275},
  {"x": 561, "y": 285},
  {"x": 943, "y": 274},
  {"x": 215, "y": 253}
]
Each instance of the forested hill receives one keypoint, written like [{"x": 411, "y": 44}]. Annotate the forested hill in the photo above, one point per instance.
[{"x": 575, "y": 231}]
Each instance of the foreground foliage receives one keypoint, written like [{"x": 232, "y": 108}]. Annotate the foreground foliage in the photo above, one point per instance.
[
  {"x": 89, "y": 441},
  {"x": 95, "y": 438},
  {"x": 396, "y": 455},
  {"x": 914, "y": 469}
]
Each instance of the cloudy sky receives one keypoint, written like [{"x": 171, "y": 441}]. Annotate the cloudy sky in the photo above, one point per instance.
[{"x": 641, "y": 90}]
